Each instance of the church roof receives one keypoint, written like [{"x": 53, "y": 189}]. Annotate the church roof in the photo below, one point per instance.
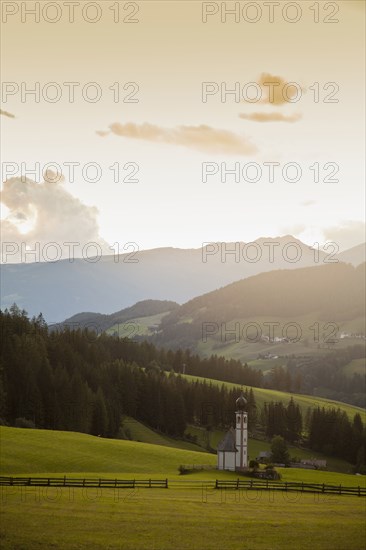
[
  {"x": 228, "y": 443},
  {"x": 241, "y": 403}
]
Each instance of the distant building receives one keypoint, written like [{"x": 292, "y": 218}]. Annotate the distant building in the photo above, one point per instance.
[
  {"x": 315, "y": 462},
  {"x": 232, "y": 451}
]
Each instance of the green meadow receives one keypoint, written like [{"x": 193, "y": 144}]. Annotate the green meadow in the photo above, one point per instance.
[
  {"x": 188, "y": 515},
  {"x": 263, "y": 396}
]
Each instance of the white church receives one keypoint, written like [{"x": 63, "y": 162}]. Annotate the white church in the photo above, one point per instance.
[{"x": 232, "y": 451}]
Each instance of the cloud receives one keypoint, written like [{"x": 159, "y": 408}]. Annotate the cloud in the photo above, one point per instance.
[
  {"x": 308, "y": 203},
  {"x": 102, "y": 133},
  {"x": 277, "y": 90},
  {"x": 270, "y": 117},
  {"x": 5, "y": 113},
  {"x": 201, "y": 138},
  {"x": 347, "y": 234},
  {"x": 46, "y": 212}
]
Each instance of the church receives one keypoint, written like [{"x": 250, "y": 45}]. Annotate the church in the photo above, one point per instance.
[{"x": 232, "y": 451}]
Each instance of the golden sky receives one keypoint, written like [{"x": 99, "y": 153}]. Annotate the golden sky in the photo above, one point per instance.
[{"x": 170, "y": 133}]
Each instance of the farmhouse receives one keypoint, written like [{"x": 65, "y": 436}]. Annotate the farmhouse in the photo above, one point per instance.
[{"x": 232, "y": 451}]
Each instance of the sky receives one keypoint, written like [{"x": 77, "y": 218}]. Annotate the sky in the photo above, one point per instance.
[{"x": 162, "y": 153}]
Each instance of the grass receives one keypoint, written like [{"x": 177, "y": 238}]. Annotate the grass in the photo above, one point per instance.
[
  {"x": 311, "y": 340},
  {"x": 140, "y": 432},
  {"x": 304, "y": 401},
  {"x": 179, "y": 518},
  {"x": 139, "y": 326},
  {"x": 25, "y": 451}
]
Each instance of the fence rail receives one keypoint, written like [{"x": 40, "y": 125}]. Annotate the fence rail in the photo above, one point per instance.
[
  {"x": 252, "y": 484},
  {"x": 84, "y": 482},
  {"x": 290, "y": 486}
]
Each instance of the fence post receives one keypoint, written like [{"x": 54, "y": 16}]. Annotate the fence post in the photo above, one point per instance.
[
  {"x": 237, "y": 483},
  {"x": 166, "y": 483},
  {"x": 359, "y": 491},
  {"x": 216, "y": 484}
]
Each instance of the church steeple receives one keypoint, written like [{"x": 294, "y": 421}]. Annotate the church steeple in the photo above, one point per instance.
[
  {"x": 232, "y": 451},
  {"x": 241, "y": 433}
]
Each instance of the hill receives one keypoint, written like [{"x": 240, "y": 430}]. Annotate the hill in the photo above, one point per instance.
[
  {"x": 152, "y": 311},
  {"x": 27, "y": 451},
  {"x": 63, "y": 288},
  {"x": 285, "y": 311},
  {"x": 263, "y": 395}
]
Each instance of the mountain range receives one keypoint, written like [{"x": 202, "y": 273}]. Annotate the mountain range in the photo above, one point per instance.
[
  {"x": 64, "y": 288},
  {"x": 271, "y": 314}
]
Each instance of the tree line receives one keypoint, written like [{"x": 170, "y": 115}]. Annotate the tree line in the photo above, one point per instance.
[{"x": 74, "y": 380}]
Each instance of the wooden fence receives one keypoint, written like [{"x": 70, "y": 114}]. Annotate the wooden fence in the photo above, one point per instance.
[
  {"x": 301, "y": 487},
  {"x": 83, "y": 482},
  {"x": 252, "y": 484}
]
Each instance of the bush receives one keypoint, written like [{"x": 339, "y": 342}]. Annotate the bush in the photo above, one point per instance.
[
  {"x": 253, "y": 464},
  {"x": 24, "y": 423},
  {"x": 183, "y": 470}
]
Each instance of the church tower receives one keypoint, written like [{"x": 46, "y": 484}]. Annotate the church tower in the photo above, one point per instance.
[
  {"x": 232, "y": 451},
  {"x": 241, "y": 433}
]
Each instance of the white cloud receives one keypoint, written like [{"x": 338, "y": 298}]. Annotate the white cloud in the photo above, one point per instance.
[
  {"x": 347, "y": 234},
  {"x": 44, "y": 213}
]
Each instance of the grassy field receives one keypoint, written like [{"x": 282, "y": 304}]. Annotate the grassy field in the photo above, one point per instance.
[
  {"x": 139, "y": 326},
  {"x": 180, "y": 519},
  {"x": 189, "y": 515},
  {"x": 310, "y": 342},
  {"x": 26, "y": 451},
  {"x": 304, "y": 401},
  {"x": 140, "y": 432}
]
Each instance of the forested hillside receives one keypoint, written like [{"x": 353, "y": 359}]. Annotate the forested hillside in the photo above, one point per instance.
[{"x": 75, "y": 380}]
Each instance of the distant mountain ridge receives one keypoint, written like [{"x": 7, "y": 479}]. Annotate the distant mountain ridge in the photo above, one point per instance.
[
  {"x": 333, "y": 294},
  {"x": 62, "y": 289},
  {"x": 101, "y": 322}
]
